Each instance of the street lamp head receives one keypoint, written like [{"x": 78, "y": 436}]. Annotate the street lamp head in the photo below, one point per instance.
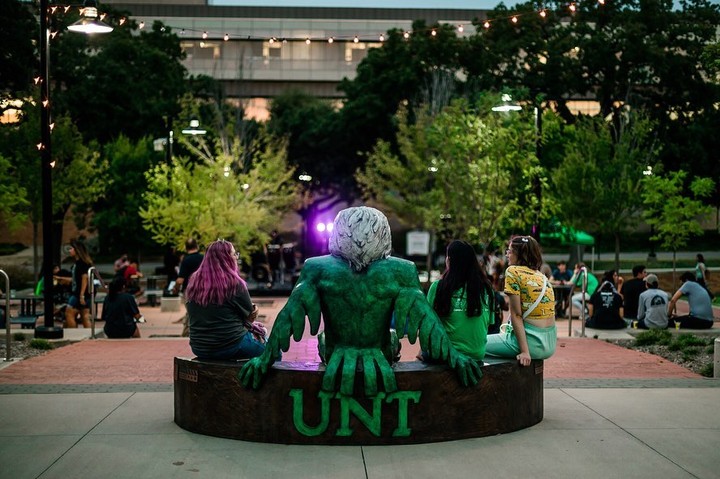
[
  {"x": 89, "y": 22},
  {"x": 194, "y": 129}
]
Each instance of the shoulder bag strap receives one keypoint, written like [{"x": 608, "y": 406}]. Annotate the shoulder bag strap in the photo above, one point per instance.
[{"x": 537, "y": 301}]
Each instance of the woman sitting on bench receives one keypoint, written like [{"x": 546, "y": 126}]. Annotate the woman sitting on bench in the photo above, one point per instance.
[{"x": 531, "y": 334}]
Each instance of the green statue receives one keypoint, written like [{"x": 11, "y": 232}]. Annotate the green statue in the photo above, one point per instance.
[{"x": 356, "y": 290}]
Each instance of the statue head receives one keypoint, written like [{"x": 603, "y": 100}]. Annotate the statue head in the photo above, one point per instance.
[{"x": 360, "y": 236}]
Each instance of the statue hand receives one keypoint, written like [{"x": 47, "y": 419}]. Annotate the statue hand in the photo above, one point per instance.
[
  {"x": 252, "y": 373},
  {"x": 468, "y": 369}
]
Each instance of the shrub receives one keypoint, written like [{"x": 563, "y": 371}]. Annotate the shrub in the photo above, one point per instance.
[
  {"x": 707, "y": 370},
  {"x": 43, "y": 344},
  {"x": 653, "y": 336},
  {"x": 18, "y": 337}
]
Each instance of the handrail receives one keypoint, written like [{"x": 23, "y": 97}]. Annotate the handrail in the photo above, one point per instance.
[
  {"x": 570, "y": 308},
  {"x": 8, "y": 339},
  {"x": 91, "y": 290}
]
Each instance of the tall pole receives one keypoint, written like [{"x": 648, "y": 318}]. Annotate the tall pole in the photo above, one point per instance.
[
  {"x": 48, "y": 329},
  {"x": 537, "y": 184}
]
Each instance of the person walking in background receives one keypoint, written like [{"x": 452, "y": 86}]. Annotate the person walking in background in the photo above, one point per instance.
[
  {"x": 79, "y": 301},
  {"x": 532, "y": 333},
  {"x": 577, "y": 282},
  {"x": 464, "y": 299},
  {"x": 120, "y": 312},
  {"x": 121, "y": 262},
  {"x": 653, "y": 305},
  {"x": 701, "y": 273},
  {"x": 190, "y": 263},
  {"x": 606, "y": 305},
  {"x": 701, "y": 313},
  {"x": 631, "y": 291},
  {"x": 219, "y": 308}
]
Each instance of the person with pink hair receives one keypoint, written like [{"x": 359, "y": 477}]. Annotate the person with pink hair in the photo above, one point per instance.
[{"x": 220, "y": 310}]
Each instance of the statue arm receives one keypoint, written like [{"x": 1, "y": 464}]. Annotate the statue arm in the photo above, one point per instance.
[{"x": 304, "y": 301}]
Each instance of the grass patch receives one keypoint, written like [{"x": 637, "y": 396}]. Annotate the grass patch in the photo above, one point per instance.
[
  {"x": 685, "y": 341},
  {"x": 653, "y": 336},
  {"x": 42, "y": 344}
]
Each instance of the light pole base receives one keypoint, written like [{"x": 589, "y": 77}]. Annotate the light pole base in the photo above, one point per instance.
[{"x": 44, "y": 332}]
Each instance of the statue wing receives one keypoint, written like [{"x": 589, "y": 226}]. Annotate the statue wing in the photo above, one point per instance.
[
  {"x": 415, "y": 315},
  {"x": 303, "y": 302}
]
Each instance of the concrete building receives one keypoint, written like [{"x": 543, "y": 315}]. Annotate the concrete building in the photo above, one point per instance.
[{"x": 257, "y": 51}]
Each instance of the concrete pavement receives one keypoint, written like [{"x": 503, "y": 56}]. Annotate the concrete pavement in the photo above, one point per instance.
[{"x": 104, "y": 408}]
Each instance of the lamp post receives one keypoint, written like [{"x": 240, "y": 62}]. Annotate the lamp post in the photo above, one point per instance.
[
  {"x": 87, "y": 24},
  {"x": 506, "y": 106}
]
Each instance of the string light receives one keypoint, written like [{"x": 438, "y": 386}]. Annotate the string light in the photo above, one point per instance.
[
  {"x": 543, "y": 14},
  {"x": 307, "y": 41},
  {"x": 572, "y": 8},
  {"x": 433, "y": 32},
  {"x": 122, "y": 21},
  {"x": 382, "y": 37},
  {"x": 204, "y": 35},
  {"x": 67, "y": 8},
  {"x": 460, "y": 28},
  {"x": 406, "y": 35},
  {"x": 601, "y": 2},
  {"x": 356, "y": 39},
  {"x": 331, "y": 39},
  {"x": 141, "y": 26},
  {"x": 37, "y": 80},
  {"x": 514, "y": 19},
  {"x": 40, "y": 146},
  {"x": 52, "y": 126},
  {"x": 486, "y": 24},
  {"x": 226, "y": 37}
]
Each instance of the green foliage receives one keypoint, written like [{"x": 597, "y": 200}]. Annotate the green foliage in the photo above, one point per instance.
[
  {"x": 653, "y": 336},
  {"x": 465, "y": 172},
  {"x": 673, "y": 213},
  {"x": 228, "y": 196},
  {"x": 42, "y": 344},
  {"x": 604, "y": 164},
  {"x": 13, "y": 196},
  {"x": 117, "y": 213},
  {"x": 18, "y": 28},
  {"x": 18, "y": 337},
  {"x": 708, "y": 370}
]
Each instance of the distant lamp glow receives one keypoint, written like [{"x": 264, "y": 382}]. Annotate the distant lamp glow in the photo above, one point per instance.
[
  {"x": 194, "y": 129},
  {"x": 304, "y": 177},
  {"x": 89, "y": 22},
  {"x": 507, "y": 105}
]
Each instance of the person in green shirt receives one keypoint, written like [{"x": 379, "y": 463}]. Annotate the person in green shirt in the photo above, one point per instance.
[
  {"x": 464, "y": 299},
  {"x": 577, "y": 282}
]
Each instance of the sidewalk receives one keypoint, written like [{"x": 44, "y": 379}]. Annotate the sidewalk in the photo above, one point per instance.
[{"x": 105, "y": 407}]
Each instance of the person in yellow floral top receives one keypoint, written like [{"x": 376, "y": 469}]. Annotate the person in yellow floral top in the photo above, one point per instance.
[{"x": 531, "y": 333}]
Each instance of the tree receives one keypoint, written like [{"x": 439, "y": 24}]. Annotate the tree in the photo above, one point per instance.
[
  {"x": 12, "y": 196},
  {"x": 672, "y": 212},
  {"x": 465, "y": 173},
  {"x": 117, "y": 212},
  {"x": 225, "y": 196},
  {"x": 604, "y": 166},
  {"x": 18, "y": 28},
  {"x": 78, "y": 173}
]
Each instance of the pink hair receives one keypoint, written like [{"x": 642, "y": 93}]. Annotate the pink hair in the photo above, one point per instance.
[{"x": 217, "y": 278}]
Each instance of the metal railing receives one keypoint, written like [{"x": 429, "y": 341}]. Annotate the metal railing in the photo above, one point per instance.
[
  {"x": 8, "y": 339},
  {"x": 91, "y": 291},
  {"x": 584, "y": 275}
]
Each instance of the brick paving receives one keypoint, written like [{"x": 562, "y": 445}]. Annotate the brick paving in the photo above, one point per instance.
[{"x": 149, "y": 360}]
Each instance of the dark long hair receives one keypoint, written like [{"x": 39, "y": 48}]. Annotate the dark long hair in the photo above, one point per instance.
[
  {"x": 116, "y": 286},
  {"x": 463, "y": 271}
]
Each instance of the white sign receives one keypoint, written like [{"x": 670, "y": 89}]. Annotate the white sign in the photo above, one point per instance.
[{"x": 418, "y": 243}]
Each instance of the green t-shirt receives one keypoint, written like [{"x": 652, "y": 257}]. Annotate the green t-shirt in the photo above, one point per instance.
[
  {"x": 467, "y": 334},
  {"x": 592, "y": 283}
]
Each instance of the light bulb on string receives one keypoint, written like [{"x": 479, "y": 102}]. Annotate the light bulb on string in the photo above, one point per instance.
[
  {"x": 514, "y": 19},
  {"x": 39, "y": 146},
  {"x": 102, "y": 16},
  {"x": 382, "y": 37},
  {"x": 307, "y": 41},
  {"x": 45, "y": 103},
  {"x": 331, "y": 39},
  {"x": 226, "y": 37},
  {"x": 53, "y": 9},
  {"x": 52, "y": 126},
  {"x": 272, "y": 40},
  {"x": 122, "y": 21},
  {"x": 543, "y": 13},
  {"x": 204, "y": 35},
  {"x": 486, "y": 24},
  {"x": 601, "y": 2},
  {"x": 66, "y": 8},
  {"x": 182, "y": 32},
  {"x": 52, "y": 164},
  {"x": 141, "y": 26},
  {"x": 356, "y": 39},
  {"x": 406, "y": 35},
  {"x": 37, "y": 80},
  {"x": 572, "y": 8},
  {"x": 53, "y": 35},
  {"x": 461, "y": 28},
  {"x": 433, "y": 32}
]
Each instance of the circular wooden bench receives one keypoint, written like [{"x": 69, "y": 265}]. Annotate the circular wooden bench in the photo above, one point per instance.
[{"x": 289, "y": 408}]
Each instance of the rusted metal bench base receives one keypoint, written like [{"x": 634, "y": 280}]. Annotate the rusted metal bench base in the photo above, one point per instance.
[{"x": 429, "y": 406}]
